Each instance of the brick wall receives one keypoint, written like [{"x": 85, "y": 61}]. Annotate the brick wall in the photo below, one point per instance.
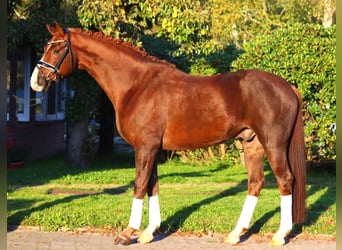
[{"x": 44, "y": 139}]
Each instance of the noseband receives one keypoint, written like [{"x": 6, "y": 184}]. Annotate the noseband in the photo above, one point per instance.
[{"x": 55, "y": 69}]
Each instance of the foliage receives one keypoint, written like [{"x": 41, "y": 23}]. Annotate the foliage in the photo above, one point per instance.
[
  {"x": 84, "y": 98},
  {"x": 223, "y": 152},
  {"x": 218, "y": 62},
  {"x": 305, "y": 56},
  {"x": 184, "y": 22},
  {"x": 27, "y": 19},
  {"x": 81, "y": 106}
]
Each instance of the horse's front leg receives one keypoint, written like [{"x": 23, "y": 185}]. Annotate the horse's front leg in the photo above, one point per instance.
[
  {"x": 144, "y": 163},
  {"x": 153, "y": 208}
]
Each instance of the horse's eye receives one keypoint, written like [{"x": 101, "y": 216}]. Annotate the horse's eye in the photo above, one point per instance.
[{"x": 56, "y": 51}]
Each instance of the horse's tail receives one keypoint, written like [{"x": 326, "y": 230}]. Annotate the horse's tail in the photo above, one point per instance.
[{"x": 297, "y": 159}]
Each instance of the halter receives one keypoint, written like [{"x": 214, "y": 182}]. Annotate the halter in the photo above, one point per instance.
[{"x": 55, "y": 69}]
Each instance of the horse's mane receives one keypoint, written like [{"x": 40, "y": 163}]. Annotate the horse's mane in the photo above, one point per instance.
[{"x": 119, "y": 41}]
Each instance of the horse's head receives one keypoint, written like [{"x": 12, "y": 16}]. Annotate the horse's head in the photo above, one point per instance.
[{"x": 57, "y": 60}]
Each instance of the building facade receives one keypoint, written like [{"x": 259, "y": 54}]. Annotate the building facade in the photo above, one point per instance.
[{"x": 35, "y": 120}]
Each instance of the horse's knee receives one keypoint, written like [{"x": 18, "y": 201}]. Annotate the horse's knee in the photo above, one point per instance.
[
  {"x": 255, "y": 186},
  {"x": 285, "y": 183},
  {"x": 139, "y": 191}
]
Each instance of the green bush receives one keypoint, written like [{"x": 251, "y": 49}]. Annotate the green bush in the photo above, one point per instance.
[
  {"x": 217, "y": 62},
  {"x": 305, "y": 55}
]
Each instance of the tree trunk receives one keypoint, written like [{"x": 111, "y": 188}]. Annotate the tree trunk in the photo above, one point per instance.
[
  {"x": 77, "y": 134},
  {"x": 106, "y": 132},
  {"x": 329, "y": 13}
]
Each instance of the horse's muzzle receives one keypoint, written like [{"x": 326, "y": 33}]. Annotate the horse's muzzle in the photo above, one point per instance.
[{"x": 38, "y": 81}]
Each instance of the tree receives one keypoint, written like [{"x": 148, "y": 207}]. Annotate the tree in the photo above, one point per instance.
[
  {"x": 80, "y": 142},
  {"x": 29, "y": 17}
]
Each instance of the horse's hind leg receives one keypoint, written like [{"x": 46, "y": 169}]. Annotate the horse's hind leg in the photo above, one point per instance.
[
  {"x": 254, "y": 158},
  {"x": 280, "y": 166}
]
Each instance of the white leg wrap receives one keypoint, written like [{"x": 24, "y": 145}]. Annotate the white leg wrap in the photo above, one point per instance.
[
  {"x": 285, "y": 227},
  {"x": 154, "y": 213},
  {"x": 285, "y": 214},
  {"x": 247, "y": 211},
  {"x": 136, "y": 213},
  {"x": 244, "y": 219}
]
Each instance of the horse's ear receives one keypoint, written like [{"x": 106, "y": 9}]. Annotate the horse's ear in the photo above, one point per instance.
[
  {"x": 51, "y": 29},
  {"x": 59, "y": 29}
]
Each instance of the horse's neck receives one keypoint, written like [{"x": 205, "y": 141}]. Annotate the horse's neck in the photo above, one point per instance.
[{"x": 106, "y": 63}]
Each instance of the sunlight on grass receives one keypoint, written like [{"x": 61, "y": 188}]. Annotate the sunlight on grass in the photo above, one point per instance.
[{"x": 194, "y": 198}]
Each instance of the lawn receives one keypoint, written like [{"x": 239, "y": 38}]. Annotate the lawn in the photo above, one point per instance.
[{"x": 194, "y": 198}]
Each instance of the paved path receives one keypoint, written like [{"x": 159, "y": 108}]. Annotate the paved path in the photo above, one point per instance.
[{"x": 38, "y": 240}]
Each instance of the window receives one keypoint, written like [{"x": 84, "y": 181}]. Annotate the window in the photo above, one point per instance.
[
  {"x": 18, "y": 67},
  {"x": 49, "y": 105}
]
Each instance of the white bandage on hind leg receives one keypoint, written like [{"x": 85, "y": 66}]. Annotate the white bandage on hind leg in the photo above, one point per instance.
[
  {"x": 136, "y": 213},
  {"x": 285, "y": 214},
  {"x": 246, "y": 213},
  {"x": 154, "y": 213}
]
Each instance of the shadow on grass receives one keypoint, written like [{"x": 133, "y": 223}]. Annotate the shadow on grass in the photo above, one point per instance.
[
  {"x": 15, "y": 219},
  {"x": 43, "y": 171},
  {"x": 194, "y": 174},
  {"x": 314, "y": 212},
  {"x": 175, "y": 222}
]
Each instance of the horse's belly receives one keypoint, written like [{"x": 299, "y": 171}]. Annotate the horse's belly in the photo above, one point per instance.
[{"x": 191, "y": 137}]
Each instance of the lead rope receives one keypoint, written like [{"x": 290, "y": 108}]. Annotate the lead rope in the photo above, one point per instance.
[{"x": 27, "y": 99}]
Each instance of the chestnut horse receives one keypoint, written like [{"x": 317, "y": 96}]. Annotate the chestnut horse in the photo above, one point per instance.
[{"x": 158, "y": 106}]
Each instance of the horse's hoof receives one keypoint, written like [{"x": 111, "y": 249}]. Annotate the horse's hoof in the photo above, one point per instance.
[
  {"x": 232, "y": 239},
  {"x": 122, "y": 239},
  {"x": 277, "y": 240},
  {"x": 145, "y": 237}
]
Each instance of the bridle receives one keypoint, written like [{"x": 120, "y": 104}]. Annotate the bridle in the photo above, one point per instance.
[{"x": 55, "y": 69}]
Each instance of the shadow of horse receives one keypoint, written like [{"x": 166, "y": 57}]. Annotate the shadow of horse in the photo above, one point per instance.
[
  {"x": 75, "y": 194},
  {"x": 175, "y": 221}
]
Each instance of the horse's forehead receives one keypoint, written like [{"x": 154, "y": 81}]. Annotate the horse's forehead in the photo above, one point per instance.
[{"x": 56, "y": 37}]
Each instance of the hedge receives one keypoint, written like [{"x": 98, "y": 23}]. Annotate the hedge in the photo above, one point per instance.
[{"x": 305, "y": 55}]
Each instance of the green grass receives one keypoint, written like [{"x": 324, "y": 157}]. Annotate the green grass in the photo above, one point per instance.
[{"x": 194, "y": 198}]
